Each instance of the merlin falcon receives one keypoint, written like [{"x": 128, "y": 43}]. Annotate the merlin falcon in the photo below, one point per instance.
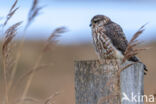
[{"x": 106, "y": 31}]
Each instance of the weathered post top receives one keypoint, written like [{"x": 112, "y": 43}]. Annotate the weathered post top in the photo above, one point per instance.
[{"x": 100, "y": 84}]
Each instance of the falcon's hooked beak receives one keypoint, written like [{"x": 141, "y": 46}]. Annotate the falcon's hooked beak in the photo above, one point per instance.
[{"x": 90, "y": 24}]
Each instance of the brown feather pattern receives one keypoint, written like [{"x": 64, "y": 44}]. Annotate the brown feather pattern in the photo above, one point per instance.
[{"x": 110, "y": 41}]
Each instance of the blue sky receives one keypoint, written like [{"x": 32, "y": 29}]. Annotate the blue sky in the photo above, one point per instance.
[{"x": 76, "y": 17}]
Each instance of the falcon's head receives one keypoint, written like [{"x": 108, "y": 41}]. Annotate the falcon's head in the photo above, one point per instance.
[{"x": 99, "y": 20}]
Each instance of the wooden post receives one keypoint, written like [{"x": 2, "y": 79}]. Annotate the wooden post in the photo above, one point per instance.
[{"x": 100, "y": 84}]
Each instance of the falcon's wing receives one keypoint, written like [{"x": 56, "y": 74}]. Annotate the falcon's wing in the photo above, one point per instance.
[{"x": 117, "y": 36}]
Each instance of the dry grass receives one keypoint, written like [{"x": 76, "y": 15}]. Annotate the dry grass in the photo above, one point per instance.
[
  {"x": 9, "y": 35},
  {"x": 31, "y": 16},
  {"x": 33, "y": 12},
  {"x": 12, "y": 11},
  {"x": 53, "y": 38},
  {"x": 50, "y": 40},
  {"x": 48, "y": 100},
  {"x": 131, "y": 49}
]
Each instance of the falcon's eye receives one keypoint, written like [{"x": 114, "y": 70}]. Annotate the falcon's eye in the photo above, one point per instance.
[{"x": 95, "y": 21}]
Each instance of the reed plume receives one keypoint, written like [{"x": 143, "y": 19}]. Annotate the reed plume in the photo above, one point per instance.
[
  {"x": 131, "y": 49},
  {"x": 12, "y": 11},
  {"x": 33, "y": 12},
  {"x": 53, "y": 37},
  {"x": 9, "y": 35}
]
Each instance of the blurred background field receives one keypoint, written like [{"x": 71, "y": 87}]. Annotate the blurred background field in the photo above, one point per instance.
[
  {"x": 59, "y": 75},
  {"x": 76, "y": 44}
]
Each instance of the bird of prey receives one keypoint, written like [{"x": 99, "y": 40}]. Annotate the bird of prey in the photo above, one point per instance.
[{"x": 109, "y": 39}]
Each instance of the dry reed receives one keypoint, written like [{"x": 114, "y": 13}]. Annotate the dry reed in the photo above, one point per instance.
[
  {"x": 131, "y": 49},
  {"x": 9, "y": 35},
  {"x": 33, "y": 12},
  {"x": 51, "y": 98},
  {"x": 51, "y": 39},
  {"x": 12, "y": 11},
  {"x": 26, "y": 75},
  {"x": 28, "y": 99},
  {"x": 48, "y": 100}
]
